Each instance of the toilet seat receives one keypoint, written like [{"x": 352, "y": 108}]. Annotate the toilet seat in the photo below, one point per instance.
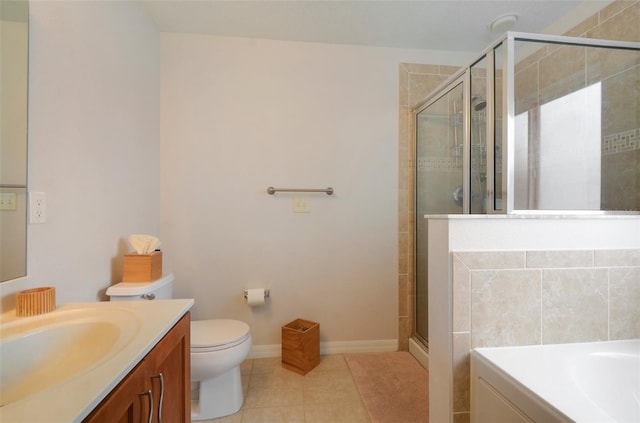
[{"x": 217, "y": 334}]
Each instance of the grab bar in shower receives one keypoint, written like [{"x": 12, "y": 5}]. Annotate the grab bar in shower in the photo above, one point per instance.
[{"x": 272, "y": 190}]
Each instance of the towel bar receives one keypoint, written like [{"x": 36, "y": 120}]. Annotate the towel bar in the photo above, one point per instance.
[{"x": 272, "y": 190}]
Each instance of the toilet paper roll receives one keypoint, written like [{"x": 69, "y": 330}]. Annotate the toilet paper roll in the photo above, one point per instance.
[{"x": 255, "y": 297}]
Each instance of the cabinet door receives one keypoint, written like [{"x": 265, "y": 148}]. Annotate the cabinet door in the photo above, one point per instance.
[
  {"x": 169, "y": 372},
  {"x": 129, "y": 402},
  {"x": 159, "y": 386}
]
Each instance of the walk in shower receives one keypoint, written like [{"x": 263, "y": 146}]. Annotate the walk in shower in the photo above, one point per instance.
[{"x": 536, "y": 124}]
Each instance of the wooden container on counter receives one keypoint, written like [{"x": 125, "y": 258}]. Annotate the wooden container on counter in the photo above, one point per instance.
[{"x": 32, "y": 302}]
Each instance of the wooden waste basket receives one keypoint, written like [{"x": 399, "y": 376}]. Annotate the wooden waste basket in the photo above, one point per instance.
[{"x": 300, "y": 346}]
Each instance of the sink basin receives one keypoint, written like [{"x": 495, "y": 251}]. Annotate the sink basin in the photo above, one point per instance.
[
  {"x": 42, "y": 351},
  {"x": 59, "y": 366}
]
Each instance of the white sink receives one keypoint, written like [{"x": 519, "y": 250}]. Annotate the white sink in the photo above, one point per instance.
[
  {"x": 39, "y": 352},
  {"x": 59, "y": 366}
]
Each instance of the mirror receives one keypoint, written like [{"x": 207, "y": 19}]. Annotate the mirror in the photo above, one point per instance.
[{"x": 14, "y": 58}]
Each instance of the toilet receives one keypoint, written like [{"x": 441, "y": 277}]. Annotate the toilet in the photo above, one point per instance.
[{"x": 218, "y": 347}]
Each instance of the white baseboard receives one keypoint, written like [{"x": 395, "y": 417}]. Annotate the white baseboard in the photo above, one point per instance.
[
  {"x": 265, "y": 351},
  {"x": 336, "y": 347},
  {"x": 419, "y": 352}
]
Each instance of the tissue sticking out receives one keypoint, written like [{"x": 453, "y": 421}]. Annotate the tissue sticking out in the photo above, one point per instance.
[{"x": 144, "y": 244}]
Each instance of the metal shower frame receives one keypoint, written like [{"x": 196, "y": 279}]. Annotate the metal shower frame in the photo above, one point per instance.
[{"x": 507, "y": 42}]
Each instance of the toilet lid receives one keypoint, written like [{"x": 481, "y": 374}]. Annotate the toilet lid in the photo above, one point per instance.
[{"x": 206, "y": 334}]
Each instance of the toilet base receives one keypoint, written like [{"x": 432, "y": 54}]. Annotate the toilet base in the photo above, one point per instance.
[{"x": 219, "y": 396}]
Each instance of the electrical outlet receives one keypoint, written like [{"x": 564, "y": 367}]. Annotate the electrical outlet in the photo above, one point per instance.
[
  {"x": 37, "y": 207},
  {"x": 8, "y": 201},
  {"x": 300, "y": 205}
]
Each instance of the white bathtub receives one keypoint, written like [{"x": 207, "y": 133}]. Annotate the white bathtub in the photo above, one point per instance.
[{"x": 583, "y": 382}]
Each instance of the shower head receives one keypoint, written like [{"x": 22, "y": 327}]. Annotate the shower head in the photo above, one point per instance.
[{"x": 478, "y": 103}]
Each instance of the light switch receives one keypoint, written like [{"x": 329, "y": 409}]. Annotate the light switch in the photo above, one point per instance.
[
  {"x": 300, "y": 205},
  {"x": 37, "y": 207},
  {"x": 8, "y": 201}
]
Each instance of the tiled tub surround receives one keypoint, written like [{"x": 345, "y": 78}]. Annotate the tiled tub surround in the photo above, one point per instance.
[{"x": 508, "y": 298}]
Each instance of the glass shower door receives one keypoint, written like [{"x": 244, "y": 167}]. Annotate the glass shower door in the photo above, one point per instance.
[
  {"x": 478, "y": 138},
  {"x": 439, "y": 180}
]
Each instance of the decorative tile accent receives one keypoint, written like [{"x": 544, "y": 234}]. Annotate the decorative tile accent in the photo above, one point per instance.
[
  {"x": 621, "y": 142},
  {"x": 440, "y": 163}
]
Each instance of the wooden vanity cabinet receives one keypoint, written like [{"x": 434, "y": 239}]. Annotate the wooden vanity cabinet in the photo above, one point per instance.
[
  {"x": 161, "y": 380},
  {"x": 125, "y": 403},
  {"x": 169, "y": 365}
]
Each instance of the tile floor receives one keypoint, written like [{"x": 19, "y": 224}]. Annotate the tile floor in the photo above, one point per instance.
[{"x": 327, "y": 394}]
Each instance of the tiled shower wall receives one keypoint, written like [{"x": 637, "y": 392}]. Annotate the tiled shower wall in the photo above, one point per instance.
[
  {"x": 618, "y": 21},
  {"x": 553, "y": 71},
  {"x": 506, "y": 298}
]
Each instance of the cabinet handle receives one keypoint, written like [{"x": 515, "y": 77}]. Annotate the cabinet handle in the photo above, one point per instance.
[
  {"x": 159, "y": 376},
  {"x": 149, "y": 394}
]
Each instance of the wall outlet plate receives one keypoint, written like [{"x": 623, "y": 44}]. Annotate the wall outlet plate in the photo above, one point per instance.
[{"x": 37, "y": 207}]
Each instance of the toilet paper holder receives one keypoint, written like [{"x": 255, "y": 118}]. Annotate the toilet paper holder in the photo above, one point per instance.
[{"x": 266, "y": 294}]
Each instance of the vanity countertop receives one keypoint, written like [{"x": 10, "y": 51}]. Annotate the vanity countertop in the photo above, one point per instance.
[{"x": 73, "y": 398}]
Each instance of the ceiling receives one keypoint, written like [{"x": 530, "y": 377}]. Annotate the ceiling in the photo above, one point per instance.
[{"x": 453, "y": 25}]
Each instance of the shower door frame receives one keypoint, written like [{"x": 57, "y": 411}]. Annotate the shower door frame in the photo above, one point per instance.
[{"x": 464, "y": 79}]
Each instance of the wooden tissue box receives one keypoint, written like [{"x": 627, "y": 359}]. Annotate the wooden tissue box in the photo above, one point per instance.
[
  {"x": 300, "y": 346},
  {"x": 142, "y": 267}
]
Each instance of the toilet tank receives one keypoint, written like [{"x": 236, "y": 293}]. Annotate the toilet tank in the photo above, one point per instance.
[{"x": 160, "y": 289}]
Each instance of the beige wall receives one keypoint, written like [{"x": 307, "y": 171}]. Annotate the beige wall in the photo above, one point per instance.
[
  {"x": 239, "y": 115},
  {"x": 93, "y": 143}
]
